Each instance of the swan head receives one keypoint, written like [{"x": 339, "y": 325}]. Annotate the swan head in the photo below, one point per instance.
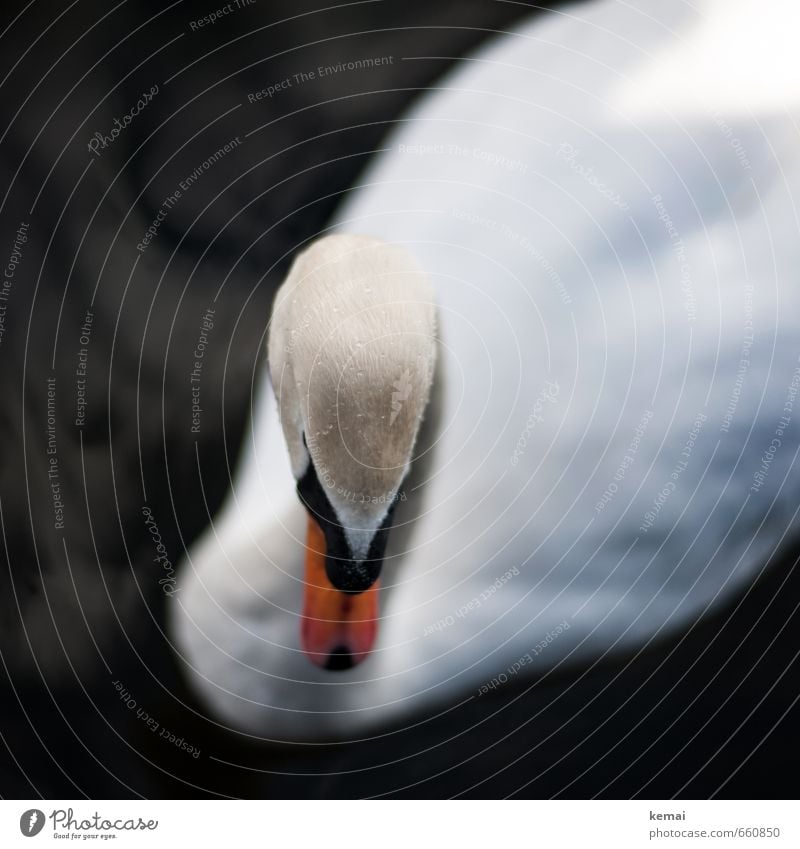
[{"x": 352, "y": 348}]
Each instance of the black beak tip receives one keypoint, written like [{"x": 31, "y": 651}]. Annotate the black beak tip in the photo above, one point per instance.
[{"x": 339, "y": 660}]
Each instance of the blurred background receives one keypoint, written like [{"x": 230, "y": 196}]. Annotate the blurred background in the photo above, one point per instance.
[{"x": 78, "y": 607}]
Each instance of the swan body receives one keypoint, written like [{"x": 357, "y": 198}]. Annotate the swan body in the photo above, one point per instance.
[{"x": 608, "y": 220}]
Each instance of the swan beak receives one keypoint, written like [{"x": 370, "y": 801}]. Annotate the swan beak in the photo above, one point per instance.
[{"x": 338, "y": 629}]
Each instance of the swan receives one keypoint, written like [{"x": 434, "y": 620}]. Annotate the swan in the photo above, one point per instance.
[{"x": 572, "y": 277}]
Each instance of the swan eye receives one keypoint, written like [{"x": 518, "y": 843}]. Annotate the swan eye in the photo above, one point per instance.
[{"x": 319, "y": 507}]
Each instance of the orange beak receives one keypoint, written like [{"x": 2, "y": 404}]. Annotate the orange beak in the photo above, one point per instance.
[{"x": 338, "y": 628}]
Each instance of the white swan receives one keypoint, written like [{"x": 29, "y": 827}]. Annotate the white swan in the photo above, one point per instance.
[
  {"x": 352, "y": 350},
  {"x": 605, "y": 204}
]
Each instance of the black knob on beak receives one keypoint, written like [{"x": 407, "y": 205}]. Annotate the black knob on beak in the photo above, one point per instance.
[{"x": 350, "y": 576}]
